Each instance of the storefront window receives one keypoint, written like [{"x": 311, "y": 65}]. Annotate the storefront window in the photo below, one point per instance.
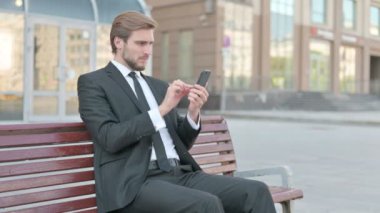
[
  {"x": 347, "y": 71},
  {"x": 103, "y": 46},
  {"x": 375, "y": 21},
  {"x": 238, "y": 45},
  {"x": 11, "y": 66},
  {"x": 281, "y": 47},
  {"x": 318, "y": 11},
  {"x": 77, "y": 63},
  {"x": 59, "y": 41},
  {"x": 320, "y": 66},
  {"x": 46, "y": 45},
  {"x": 349, "y": 14}
]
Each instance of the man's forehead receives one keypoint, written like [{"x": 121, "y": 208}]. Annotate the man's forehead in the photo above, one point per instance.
[{"x": 142, "y": 33}]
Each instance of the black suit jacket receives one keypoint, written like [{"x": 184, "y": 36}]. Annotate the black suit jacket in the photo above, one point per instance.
[{"x": 122, "y": 131}]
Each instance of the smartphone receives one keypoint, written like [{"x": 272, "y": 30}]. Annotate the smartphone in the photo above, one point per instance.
[{"x": 203, "y": 77}]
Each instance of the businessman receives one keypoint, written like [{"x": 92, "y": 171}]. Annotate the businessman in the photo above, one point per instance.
[{"x": 142, "y": 163}]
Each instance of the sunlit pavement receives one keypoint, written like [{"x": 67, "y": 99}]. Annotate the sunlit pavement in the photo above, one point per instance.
[{"x": 336, "y": 164}]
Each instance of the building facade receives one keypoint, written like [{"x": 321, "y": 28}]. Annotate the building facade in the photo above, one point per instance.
[
  {"x": 44, "y": 46},
  {"x": 261, "y": 46},
  {"x": 252, "y": 47}
]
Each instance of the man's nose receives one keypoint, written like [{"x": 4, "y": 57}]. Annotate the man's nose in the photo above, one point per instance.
[{"x": 148, "y": 49}]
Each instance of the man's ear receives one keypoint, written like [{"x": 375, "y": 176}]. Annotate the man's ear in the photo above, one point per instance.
[{"x": 118, "y": 42}]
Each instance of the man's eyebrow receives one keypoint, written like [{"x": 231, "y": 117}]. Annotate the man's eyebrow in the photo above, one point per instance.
[{"x": 143, "y": 41}]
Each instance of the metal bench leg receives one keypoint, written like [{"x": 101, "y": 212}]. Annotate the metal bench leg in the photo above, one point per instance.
[{"x": 286, "y": 207}]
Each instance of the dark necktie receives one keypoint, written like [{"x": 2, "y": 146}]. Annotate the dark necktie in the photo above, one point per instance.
[{"x": 158, "y": 145}]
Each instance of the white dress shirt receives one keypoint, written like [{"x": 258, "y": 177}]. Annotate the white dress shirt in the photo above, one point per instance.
[{"x": 154, "y": 114}]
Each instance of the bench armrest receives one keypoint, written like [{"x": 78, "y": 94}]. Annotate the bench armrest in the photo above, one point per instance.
[{"x": 284, "y": 171}]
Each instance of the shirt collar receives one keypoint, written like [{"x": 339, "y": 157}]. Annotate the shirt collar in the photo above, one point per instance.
[{"x": 123, "y": 69}]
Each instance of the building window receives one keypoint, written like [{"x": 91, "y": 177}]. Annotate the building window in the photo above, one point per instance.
[
  {"x": 185, "y": 56},
  {"x": 11, "y": 66},
  {"x": 318, "y": 11},
  {"x": 320, "y": 66},
  {"x": 375, "y": 21},
  {"x": 238, "y": 45},
  {"x": 78, "y": 61},
  {"x": 103, "y": 46},
  {"x": 281, "y": 47},
  {"x": 349, "y": 14},
  {"x": 347, "y": 69},
  {"x": 165, "y": 57}
]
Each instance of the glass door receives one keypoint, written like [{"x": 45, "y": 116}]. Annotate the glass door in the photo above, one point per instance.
[{"x": 58, "y": 53}]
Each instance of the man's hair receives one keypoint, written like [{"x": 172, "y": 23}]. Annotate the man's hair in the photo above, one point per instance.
[{"x": 124, "y": 24}]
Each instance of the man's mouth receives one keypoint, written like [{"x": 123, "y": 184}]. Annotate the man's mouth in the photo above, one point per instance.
[{"x": 143, "y": 59}]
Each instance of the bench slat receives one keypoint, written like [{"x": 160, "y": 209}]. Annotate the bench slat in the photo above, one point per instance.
[
  {"x": 211, "y": 148},
  {"x": 39, "y": 167},
  {"x": 212, "y": 119},
  {"x": 47, "y": 152},
  {"x": 64, "y": 207},
  {"x": 281, "y": 194},
  {"x": 215, "y": 159},
  {"x": 220, "y": 169},
  {"x": 49, "y": 180},
  {"x": 206, "y": 128},
  {"x": 28, "y": 128},
  {"x": 42, "y": 139},
  {"x": 22, "y": 199},
  {"x": 213, "y": 138}
]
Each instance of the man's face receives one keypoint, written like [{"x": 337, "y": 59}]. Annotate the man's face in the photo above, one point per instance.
[{"x": 135, "y": 52}]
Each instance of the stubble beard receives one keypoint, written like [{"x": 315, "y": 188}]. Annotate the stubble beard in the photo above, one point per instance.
[{"x": 133, "y": 65}]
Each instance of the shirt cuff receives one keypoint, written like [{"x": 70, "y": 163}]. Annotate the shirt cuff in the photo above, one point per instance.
[
  {"x": 157, "y": 120},
  {"x": 192, "y": 123}
]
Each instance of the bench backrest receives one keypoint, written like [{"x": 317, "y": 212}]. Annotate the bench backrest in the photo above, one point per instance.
[{"x": 48, "y": 167}]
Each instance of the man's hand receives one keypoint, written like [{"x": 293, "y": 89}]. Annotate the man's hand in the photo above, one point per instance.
[
  {"x": 176, "y": 90},
  {"x": 197, "y": 96}
]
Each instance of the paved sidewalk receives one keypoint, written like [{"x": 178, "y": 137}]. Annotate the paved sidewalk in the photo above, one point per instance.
[{"x": 331, "y": 117}]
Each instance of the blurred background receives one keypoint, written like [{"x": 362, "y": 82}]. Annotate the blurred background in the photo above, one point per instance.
[
  {"x": 298, "y": 80},
  {"x": 319, "y": 55}
]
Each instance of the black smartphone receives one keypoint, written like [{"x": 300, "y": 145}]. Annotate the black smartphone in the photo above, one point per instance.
[{"x": 203, "y": 77}]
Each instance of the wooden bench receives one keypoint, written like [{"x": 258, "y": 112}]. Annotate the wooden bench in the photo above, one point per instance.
[{"x": 48, "y": 167}]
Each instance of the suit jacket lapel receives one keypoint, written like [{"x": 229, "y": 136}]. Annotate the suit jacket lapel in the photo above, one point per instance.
[
  {"x": 158, "y": 95},
  {"x": 115, "y": 75}
]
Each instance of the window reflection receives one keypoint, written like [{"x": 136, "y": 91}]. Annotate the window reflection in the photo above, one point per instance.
[
  {"x": 347, "y": 71},
  {"x": 44, "y": 105},
  {"x": 238, "y": 45},
  {"x": 103, "y": 47},
  {"x": 46, "y": 57},
  {"x": 281, "y": 52},
  {"x": 72, "y": 105},
  {"x": 320, "y": 70},
  {"x": 11, "y": 66},
  {"x": 349, "y": 14},
  {"x": 375, "y": 21},
  {"x": 77, "y": 56},
  {"x": 318, "y": 11}
]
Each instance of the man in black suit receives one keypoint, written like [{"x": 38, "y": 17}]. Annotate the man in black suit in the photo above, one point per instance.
[{"x": 142, "y": 163}]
